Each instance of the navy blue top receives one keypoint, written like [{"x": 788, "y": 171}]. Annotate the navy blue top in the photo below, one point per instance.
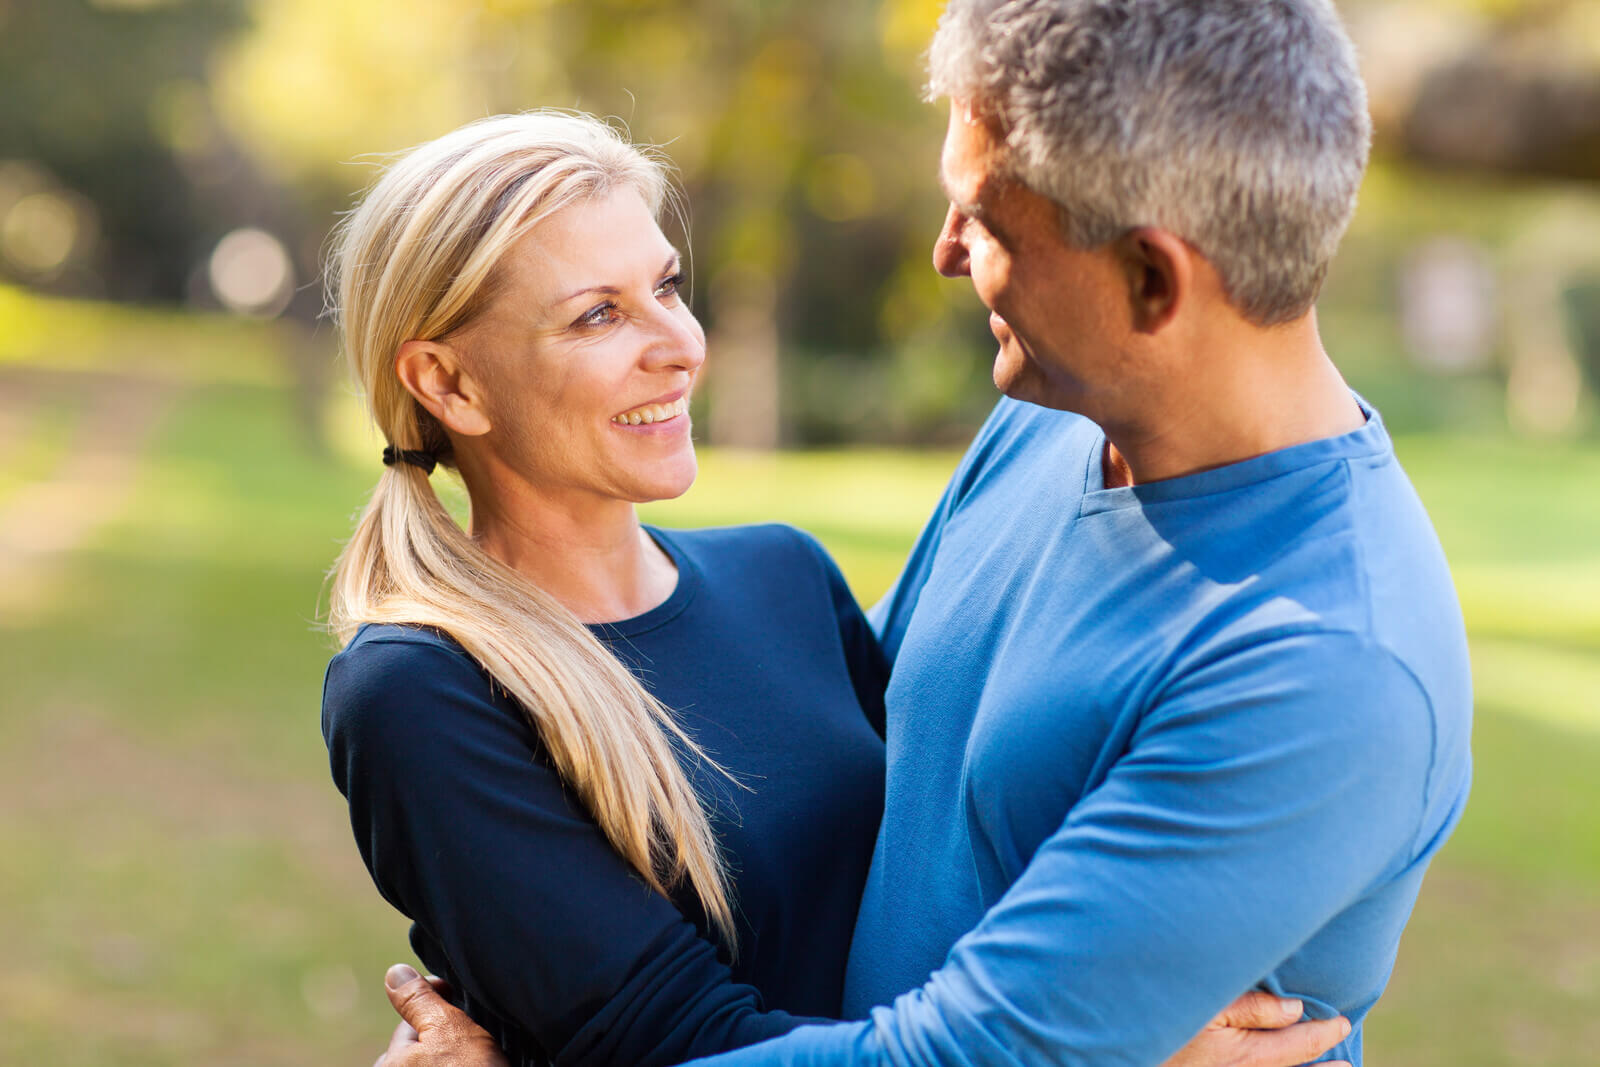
[{"x": 515, "y": 895}]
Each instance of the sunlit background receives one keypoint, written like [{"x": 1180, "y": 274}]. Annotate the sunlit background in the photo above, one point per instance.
[{"x": 182, "y": 455}]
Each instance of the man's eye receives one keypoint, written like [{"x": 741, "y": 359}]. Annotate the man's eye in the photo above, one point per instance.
[{"x": 669, "y": 286}]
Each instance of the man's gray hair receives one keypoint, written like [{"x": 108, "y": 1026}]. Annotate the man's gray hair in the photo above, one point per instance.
[{"x": 1239, "y": 125}]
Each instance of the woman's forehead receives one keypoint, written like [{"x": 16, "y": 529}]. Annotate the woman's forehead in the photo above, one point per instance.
[{"x": 600, "y": 242}]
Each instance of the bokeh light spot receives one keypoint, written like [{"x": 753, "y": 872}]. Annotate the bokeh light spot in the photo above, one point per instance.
[
  {"x": 251, "y": 273},
  {"x": 39, "y": 233}
]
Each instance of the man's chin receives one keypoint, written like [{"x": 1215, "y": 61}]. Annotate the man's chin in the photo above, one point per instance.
[
  {"x": 1015, "y": 376},
  {"x": 1010, "y": 366},
  {"x": 1019, "y": 379}
]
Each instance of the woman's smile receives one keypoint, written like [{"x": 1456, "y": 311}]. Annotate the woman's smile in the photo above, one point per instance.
[{"x": 656, "y": 413}]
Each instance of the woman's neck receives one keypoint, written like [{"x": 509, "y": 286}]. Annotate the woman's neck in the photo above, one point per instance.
[{"x": 596, "y": 560}]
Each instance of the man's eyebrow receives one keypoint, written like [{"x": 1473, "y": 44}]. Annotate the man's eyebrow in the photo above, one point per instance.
[{"x": 673, "y": 259}]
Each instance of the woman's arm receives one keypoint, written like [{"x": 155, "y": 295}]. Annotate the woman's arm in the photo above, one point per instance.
[
  {"x": 469, "y": 832},
  {"x": 863, "y": 653}
]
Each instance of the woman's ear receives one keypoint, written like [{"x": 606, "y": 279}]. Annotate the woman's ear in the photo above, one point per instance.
[
  {"x": 432, "y": 372},
  {"x": 1158, "y": 266}
]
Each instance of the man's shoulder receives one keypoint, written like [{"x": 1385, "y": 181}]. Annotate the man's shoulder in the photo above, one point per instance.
[
  {"x": 1022, "y": 439},
  {"x": 1019, "y": 423}
]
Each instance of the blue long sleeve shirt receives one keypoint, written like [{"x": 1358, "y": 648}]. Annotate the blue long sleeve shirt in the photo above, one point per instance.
[
  {"x": 1149, "y": 747},
  {"x": 515, "y": 894}
]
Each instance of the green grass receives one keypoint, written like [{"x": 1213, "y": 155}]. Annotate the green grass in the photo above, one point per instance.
[
  {"x": 84, "y": 336},
  {"x": 179, "y": 885},
  {"x": 44, "y": 432}
]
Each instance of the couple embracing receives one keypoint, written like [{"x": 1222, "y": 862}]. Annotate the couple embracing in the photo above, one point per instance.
[{"x": 1142, "y": 758}]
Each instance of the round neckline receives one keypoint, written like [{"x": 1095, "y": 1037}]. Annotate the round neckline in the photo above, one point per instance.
[
  {"x": 1369, "y": 439},
  {"x": 679, "y": 599}
]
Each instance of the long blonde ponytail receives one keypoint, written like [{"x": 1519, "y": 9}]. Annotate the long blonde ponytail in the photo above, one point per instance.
[{"x": 416, "y": 260}]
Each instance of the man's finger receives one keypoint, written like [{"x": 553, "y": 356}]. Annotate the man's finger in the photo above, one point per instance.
[
  {"x": 404, "y": 1037},
  {"x": 1260, "y": 1011},
  {"x": 414, "y": 997},
  {"x": 1300, "y": 1043},
  {"x": 436, "y": 1031}
]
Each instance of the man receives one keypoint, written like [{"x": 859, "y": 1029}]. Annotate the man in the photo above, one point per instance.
[{"x": 1180, "y": 702}]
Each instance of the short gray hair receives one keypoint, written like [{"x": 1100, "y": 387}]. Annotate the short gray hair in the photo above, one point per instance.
[{"x": 1239, "y": 125}]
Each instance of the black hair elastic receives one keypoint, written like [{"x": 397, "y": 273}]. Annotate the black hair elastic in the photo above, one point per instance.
[{"x": 426, "y": 460}]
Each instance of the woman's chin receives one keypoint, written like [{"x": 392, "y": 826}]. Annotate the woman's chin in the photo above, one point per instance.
[{"x": 667, "y": 483}]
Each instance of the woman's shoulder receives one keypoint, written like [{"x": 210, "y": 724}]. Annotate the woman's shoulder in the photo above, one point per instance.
[
  {"x": 774, "y": 561},
  {"x": 381, "y": 649},
  {"x": 376, "y": 634},
  {"x": 766, "y": 542},
  {"x": 388, "y": 667}
]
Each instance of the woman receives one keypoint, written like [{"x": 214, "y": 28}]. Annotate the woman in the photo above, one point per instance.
[{"x": 604, "y": 880}]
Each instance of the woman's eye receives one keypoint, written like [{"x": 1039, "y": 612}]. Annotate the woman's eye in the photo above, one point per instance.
[
  {"x": 598, "y": 316},
  {"x": 669, "y": 285}
]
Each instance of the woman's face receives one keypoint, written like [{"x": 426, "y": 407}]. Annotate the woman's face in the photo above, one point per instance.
[{"x": 586, "y": 355}]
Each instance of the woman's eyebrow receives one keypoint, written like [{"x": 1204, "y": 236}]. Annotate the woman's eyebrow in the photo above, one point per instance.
[{"x": 611, "y": 290}]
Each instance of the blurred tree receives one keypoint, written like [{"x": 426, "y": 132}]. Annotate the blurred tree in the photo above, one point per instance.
[
  {"x": 87, "y": 98},
  {"x": 796, "y": 125},
  {"x": 1506, "y": 86},
  {"x": 1501, "y": 88}
]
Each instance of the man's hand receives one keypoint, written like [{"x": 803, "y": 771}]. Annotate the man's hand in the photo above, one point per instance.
[
  {"x": 434, "y": 1031},
  {"x": 1261, "y": 1030},
  {"x": 1257, "y": 1030}
]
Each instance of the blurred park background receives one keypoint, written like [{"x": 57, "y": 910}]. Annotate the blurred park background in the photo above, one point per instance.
[{"x": 182, "y": 455}]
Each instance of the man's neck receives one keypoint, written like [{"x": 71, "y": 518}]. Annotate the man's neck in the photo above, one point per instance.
[{"x": 1255, "y": 392}]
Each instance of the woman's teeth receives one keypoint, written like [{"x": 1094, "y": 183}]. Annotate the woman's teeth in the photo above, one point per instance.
[{"x": 653, "y": 413}]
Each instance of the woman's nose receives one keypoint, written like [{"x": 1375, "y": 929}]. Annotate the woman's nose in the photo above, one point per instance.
[{"x": 679, "y": 342}]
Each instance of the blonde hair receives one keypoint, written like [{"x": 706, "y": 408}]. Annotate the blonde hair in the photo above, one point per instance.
[{"x": 417, "y": 260}]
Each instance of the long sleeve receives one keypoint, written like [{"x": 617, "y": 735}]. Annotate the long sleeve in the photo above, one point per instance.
[
  {"x": 1259, "y": 799},
  {"x": 864, "y": 658},
  {"x": 467, "y": 830}
]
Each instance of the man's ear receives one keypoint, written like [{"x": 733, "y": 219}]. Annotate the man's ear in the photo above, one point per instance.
[
  {"x": 432, "y": 372},
  {"x": 1158, "y": 267}
]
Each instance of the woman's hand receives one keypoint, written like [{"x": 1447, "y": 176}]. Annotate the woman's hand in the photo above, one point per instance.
[
  {"x": 434, "y": 1031},
  {"x": 1261, "y": 1030}
]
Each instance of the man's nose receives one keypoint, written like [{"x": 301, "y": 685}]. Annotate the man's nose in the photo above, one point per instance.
[{"x": 949, "y": 252}]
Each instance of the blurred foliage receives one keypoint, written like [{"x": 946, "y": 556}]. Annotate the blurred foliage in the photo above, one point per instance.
[
  {"x": 796, "y": 126},
  {"x": 90, "y": 93},
  {"x": 140, "y": 132}
]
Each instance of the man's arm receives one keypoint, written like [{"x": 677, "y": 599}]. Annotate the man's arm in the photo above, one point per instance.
[
  {"x": 1257, "y": 1030},
  {"x": 1261, "y": 796}
]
